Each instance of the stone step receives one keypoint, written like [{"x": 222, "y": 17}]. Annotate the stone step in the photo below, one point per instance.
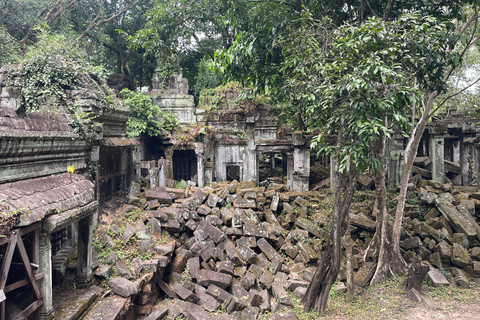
[{"x": 71, "y": 305}]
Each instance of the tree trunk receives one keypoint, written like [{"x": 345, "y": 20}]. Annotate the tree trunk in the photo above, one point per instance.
[
  {"x": 399, "y": 266},
  {"x": 327, "y": 270},
  {"x": 381, "y": 228},
  {"x": 348, "y": 258}
]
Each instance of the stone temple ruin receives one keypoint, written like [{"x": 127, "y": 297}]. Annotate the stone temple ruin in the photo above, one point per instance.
[{"x": 241, "y": 212}]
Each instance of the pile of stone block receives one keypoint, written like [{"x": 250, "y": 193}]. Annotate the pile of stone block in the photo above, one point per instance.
[{"x": 232, "y": 247}]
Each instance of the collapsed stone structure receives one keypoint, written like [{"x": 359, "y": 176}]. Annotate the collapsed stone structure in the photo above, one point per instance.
[
  {"x": 57, "y": 211},
  {"x": 223, "y": 139}
]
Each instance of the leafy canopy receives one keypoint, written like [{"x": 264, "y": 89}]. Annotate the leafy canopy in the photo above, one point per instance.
[{"x": 145, "y": 117}]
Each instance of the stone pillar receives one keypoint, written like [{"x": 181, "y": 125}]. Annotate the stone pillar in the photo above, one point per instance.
[
  {"x": 84, "y": 257},
  {"x": 169, "y": 162},
  {"x": 200, "y": 152},
  {"x": 467, "y": 159},
  {"x": 456, "y": 151},
  {"x": 289, "y": 160},
  {"x": 45, "y": 252},
  {"x": 395, "y": 161},
  {"x": 162, "y": 175},
  {"x": 251, "y": 167},
  {"x": 272, "y": 160},
  {"x": 436, "y": 152},
  {"x": 301, "y": 169}
]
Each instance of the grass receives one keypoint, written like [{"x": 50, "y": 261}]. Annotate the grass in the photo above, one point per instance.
[{"x": 388, "y": 300}]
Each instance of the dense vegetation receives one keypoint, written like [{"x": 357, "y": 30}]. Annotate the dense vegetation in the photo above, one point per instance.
[{"x": 354, "y": 69}]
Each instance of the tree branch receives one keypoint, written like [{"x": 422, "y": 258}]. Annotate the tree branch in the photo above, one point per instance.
[
  {"x": 370, "y": 8},
  {"x": 291, "y": 5},
  {"x": 453, "y": 95},
  {"x": 388, "y": 9}
]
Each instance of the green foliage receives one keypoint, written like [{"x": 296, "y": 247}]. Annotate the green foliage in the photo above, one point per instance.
[
  {"x": 10, "y": 48},
  {"x": 206, "y": 78},
  {"x": 146, "y": 117},
  {"x": 50, "y": 67},
  {"x": 352, "y": 78},
  {"x": 181, "y": 184}
]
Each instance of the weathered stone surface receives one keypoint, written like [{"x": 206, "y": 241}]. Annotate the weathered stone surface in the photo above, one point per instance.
[
  {"x": 307, "y": 252},
  {"x": 208, "y": 302},
  {"x": 444, "y": 249},
  {"x": 411, "y": 243},
  {"x": 460, "y": 256},
  {"x": 226, "y": 267},
  {"x": 475, "y": 253},
  {"x": 207, "y": 278},
  {"x": 160, "y": 194},
  {"x": 362, "y": 221},
  {"x": 246, "y": 254},
  {"x": 437, "y": 278},
  {"x": 266, "y": 280},
  {"x": 212, "y": 200},
  {"x": 123, "y": 287},
  {"x": 244, "y": 203},
  {"x": 301, "y": 201},
  {"x": 219, "y": 294},
  {"x": 365, "y": 181},
  {"x": 180, "y": 261},
  {"x": 255, "y": 231},
  {"x": 227, "y": 215},
  {"x": 206, "y": 230},
  {"x": 459, "y": 220},
  {"x": 184, "y": 293},
  {"x": 268, "y": 250},
  {"x": 461, "y": 277},
  {"x": 158, "y": 314},
  {"x": 310, "y": 227},
  {"x": 123, "y": 270},
  {"x": 275, "y": 202},
  {"x": 248, "y": 280},
  {"x": 281, "y": 294}
]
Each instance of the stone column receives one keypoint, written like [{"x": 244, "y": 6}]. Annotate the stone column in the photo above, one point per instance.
[
  {"x": 436, "y": 144},
  {"x": 301, "y": 169},
  {"x": 467, "y": 159},
  {"x": 84, "y": 257},
  {"x": 162, "y": 175},
  {"x": 169, "y": 162},
  {"x": 456, "y": 151},
  {"x": 45, "y": 252},
  {"x": 289, "y": 159},
  {"x": 395, "y": 161},
  {"x": 200, "y": 153}
]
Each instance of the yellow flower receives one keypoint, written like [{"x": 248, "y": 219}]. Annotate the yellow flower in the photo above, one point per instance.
[{"x": 71, "y": 169}]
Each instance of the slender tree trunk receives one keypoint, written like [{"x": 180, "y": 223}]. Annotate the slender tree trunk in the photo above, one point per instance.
[
  {"x": 348, "y": 258},
  {"x": 317, "y": 294},
  {"x": 399, "y": 266}
]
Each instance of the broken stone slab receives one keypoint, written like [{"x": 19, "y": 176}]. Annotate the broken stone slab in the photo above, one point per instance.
[
  {"x": 411, "y": 243},
  {"x": 460, "y": 256},
  {"x": 310, "y": 227},
  {"x": 308, "y": 253},
  {"x": 214, "y": 220},
  {"x": 226, "y": 215},
  {"x": 444, "y": 249},
  {"x": 193, "y": 311},
  {"x": 426, "y": 174},
  {"x": 271, "y": 218},
  {"x": 459, "y": 220},
  {"x": 123, "y": 270},
  {"x": 180, "y": 261},
  {"x": 208, "y": 302},
  {"x": 226, "y": 267},
  {"x": 207, "y": 278},
  {"x": 281, "y": 294},
  {"x": 266, "y": 279},
  {"x": 245, "y": 203},
  {"x": 437, "y": 278},
  {"x": 246, "y": 254},
  {"x": 206, "y": 230},
  {"x": 461, "y": 277},
  {"x": 301, "y": 202},
  {"x": 291, "y": 284},
  {"x": 255, "y": 231},
  {"x": 160, "y": 194},
  {"x": 275, "y": 202},
  {"x": 219, "y": 294},
  {"x": 362, "y": 221},
  {"x": 268, "y": 250},
  {"x": 184, "y": 293},
  {"x": 173, "y": 226},
  {"x": 123, "y": 287},
  {"x": 158, "y": 314},
  {"x": 248, "y": 280},
  {"x": 212, "y": 200}
]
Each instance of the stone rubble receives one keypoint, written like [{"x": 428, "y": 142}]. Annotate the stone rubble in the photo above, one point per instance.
[{"x": 232, "y": 241}]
